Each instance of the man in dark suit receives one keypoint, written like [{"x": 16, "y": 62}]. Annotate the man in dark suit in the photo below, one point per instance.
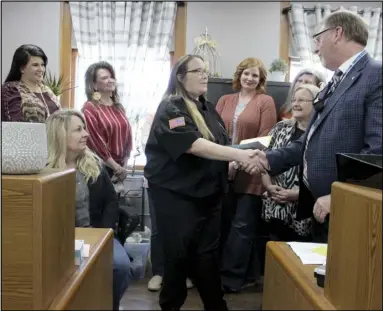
[{"x": 347, "y": 118}]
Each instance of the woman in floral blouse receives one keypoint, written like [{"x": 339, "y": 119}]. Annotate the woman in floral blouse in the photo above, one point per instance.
[{"x": 24, "y": 97}]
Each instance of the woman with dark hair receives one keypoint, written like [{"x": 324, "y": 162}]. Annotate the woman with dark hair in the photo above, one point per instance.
[
  {"x": 24, "y": 97},
  {"x": 305, "y": 76},
  {"x": 110, "y": 134},
  {"x": 186, "y": 171},
  {"x": 248, "y": 113}
]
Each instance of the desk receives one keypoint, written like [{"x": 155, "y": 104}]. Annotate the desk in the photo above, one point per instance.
[
  {"x": 288, "y": 284},
  {"x": 353, "y": 265},
  {"x": 91, "y": 284}
]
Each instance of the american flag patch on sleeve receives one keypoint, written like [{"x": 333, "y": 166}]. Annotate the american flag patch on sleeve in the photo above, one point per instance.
[{"x": 173, "y": 123}]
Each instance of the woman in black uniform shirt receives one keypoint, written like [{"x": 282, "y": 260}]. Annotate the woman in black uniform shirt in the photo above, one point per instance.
[{"x": 187, "y": 172}]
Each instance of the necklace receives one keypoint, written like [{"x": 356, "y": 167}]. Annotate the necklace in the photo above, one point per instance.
[{"x": 42, "y": 96}]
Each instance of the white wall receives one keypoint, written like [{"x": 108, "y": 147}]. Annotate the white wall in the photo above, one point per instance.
[
  {"x": 34, "y": 23},
  {"x": 242, "y": 29}
]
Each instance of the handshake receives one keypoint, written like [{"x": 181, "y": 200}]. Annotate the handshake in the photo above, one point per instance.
[{"x": 252, "y": 162}]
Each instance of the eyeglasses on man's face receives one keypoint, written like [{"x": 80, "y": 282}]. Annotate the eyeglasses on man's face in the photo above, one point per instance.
[
  {"x": 317, "y": 36},
  {"x": 201, "y": 72}
]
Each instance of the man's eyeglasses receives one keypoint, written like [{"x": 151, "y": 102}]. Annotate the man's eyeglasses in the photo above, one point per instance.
[
  {"x": 199, "y": 71},
  {"x": 316, "y": 37}
]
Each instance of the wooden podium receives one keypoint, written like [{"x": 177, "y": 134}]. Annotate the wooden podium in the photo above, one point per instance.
[
  {"x": 38, "y": 214},
  {"x": 354, "y": 259},
  {"x": 38, "y": 234}
]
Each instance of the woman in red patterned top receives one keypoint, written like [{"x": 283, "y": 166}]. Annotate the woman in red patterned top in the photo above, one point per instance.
[{"x": 109, "y": 129}]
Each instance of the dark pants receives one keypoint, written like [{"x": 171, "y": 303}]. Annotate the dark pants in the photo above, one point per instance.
[
  {"x": 279, "y": 231},
  {"x": 319, "y": 232},
  {"x": 229, "y": 206},
  {"x": 241, "y": 258},
  {"x": 190, "y": 232},
  {"x": 109, "y": 171},
  {"x": 156, "y": 252},
  {"x": 122, "y": 267},
  {"x": 122, "y": 272}
]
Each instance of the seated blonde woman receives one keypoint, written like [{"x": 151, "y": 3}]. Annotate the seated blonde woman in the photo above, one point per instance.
[
  {"x": 96, "y": 199},
  {"x": 281, "y": 198}
]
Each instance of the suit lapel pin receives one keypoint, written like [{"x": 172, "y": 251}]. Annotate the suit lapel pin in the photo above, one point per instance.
[{"x": 352, "y": 78}]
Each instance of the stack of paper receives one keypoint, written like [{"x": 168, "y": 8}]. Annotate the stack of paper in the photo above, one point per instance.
[
  {"x": 260, "y": 143},
  {"x": 264, "y": 140},
  {"x": 310, "y": 253},
  {"x": 81, "y": 251}
]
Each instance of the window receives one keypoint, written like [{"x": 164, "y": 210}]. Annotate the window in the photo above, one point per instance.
[
  {"x": 147, "y": 85},
  {"x": 144, "y": 83}
]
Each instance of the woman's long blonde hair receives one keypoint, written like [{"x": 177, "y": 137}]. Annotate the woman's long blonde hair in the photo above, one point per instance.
[
  {"x": 175, "y": 87},
  {"x": 57, "y": 134}
]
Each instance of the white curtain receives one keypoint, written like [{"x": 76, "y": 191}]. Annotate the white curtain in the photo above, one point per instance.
[
  {"x": 303, "y": 25},
  {"x": 134, "y": 37},
  {"x": 373, "y": 18}
]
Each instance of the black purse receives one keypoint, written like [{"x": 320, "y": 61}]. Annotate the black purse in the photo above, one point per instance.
[{"x": 127, "y": 223}]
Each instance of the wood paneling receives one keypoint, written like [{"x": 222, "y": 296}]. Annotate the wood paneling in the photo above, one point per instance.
[
  {"x": 354, "y": 258},
  {"x": 290, "y": 285},
  {"x": 180, "y": 32},
  {"x": 171, "y": 54},
  {"x": 38, "y": 215},
  {"x": 66, "y": 52},
  {"x": 90, "y": 286},
  {"x": 284, "y": 37},
  {"x": 73, "y": 76}
]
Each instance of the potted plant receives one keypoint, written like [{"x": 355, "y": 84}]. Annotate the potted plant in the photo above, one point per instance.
[
  {"x": 278, "y": 70},
  {"x": 57, "y": 85}
]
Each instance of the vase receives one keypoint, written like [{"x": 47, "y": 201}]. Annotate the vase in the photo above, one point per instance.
[
  {"x": 278, "y": 76},
  {"x": 24, "y": 148}
]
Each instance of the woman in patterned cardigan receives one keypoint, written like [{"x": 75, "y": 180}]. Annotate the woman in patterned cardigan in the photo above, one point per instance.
[
  {"x": 281, "y": 196},
  {"x": 24, "y": 97}
]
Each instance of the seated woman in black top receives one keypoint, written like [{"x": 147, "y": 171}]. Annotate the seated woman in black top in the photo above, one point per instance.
[
  {"x": 96, "y": 199},
  {"x": 187, "y": 173}
]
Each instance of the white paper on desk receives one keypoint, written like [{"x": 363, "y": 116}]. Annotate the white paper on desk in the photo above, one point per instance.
[
  {"x": 85, "y": 250},
  {"x": 307, "y": 252}
]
